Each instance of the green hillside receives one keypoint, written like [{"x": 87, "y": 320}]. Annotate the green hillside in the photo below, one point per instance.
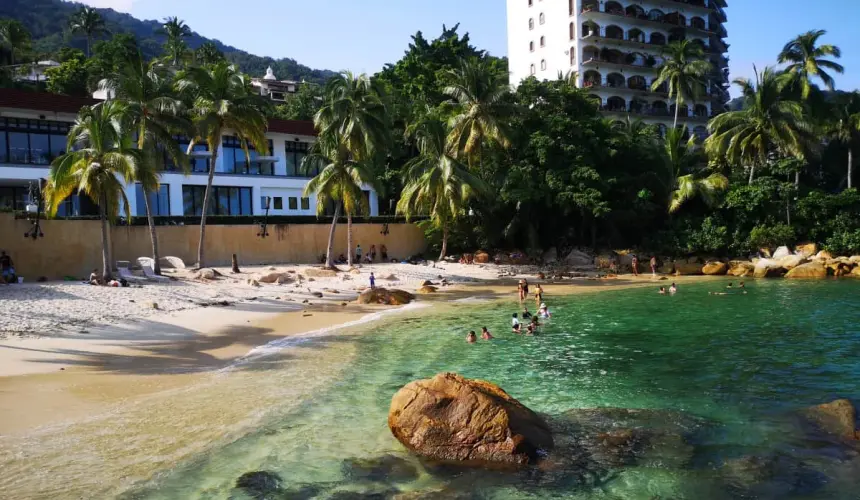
[{"x": 47, "y": 21}]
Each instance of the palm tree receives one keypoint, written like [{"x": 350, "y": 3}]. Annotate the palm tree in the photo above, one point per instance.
[
  {"x": 480, "y": 108},
  {"x": 845, "y": 126},
  {"x": 436, "y": 182},
  {"x": 155, "y": 115},
  {"x": 14, "y": 37},
  {"x": 175, "y": 30},
  {"x": 683, "y": 158},
  {"x": 221, "y": 100},
  {"x": 353, "y": 112},
  {"x": 207, "y": 54},
  {"x": 100, "y": 156},
  {"x": 89, "y": 22},
  {"x": 685, "y": 69},
  {"x": 807, "y": 61},
  {"x": 769, "y": 122},
  {"x": 339, "y": 181}
]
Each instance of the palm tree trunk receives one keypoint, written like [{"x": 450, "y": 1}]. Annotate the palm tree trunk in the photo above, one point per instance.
[
  {"x": 349, "y": 254},
  {"x": 677, "y": 110},
  {"x": 444, "y": 243},
  {"x": 106, "y": 274},
  {"x": 329, "y": 261},
  {"x": 201, "y": 244},
  {"x": 89, "y": 43},
  {"x": 752, "y": 174},
  {"x": 156, "y": 266},
  {"x": 850, "y": 167}
]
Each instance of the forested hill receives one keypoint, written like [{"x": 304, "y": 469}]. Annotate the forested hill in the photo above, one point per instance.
[{"x": 47, "y": 21}]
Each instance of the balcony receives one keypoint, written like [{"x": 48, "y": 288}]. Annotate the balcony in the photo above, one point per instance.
[
  {"x": 625, "y": 42},
  {"x": 661, "y": 22},
  {"x": 597, "y": 61}
]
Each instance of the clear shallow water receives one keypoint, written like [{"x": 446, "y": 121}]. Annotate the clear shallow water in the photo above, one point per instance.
[{"x": 742, "y": 362}]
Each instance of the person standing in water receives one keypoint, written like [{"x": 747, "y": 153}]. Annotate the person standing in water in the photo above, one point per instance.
[
  {"x": 471, "y": 337},
  {"x": 673, "y": 289},
  {"x": 538, "y": 295},
  {"x": 485, "y": 334}
]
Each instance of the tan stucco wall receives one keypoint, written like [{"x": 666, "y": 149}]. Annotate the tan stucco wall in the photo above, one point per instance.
[{"x": 73, "y": 248}]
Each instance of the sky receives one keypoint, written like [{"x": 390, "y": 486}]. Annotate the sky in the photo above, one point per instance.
[{"x": 364, "y": 35}]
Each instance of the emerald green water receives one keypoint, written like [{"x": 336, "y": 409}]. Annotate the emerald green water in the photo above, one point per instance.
[{"x": 743, "y": 363}]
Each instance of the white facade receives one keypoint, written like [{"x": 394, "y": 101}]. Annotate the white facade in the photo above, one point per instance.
[
  {"x": 615, "y": 47},
  {"x": 25, "y": 156}
]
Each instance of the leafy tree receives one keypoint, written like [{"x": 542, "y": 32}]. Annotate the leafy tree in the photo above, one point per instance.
[
  {"x": 101, "y": 155},
  {"x": 807, "y": 60},
  {"x": 71, "y": 76},
  {"x": 437, "y": 183},
  {"x": 769, "y": 123},
  {"x": 302, "y": 105},
  {"x": 152, "y": 111},
  {"x": 208, "y": 54},
  {"x": 682, "y": 158},
  {"x": 844, "y": 126},
  {"x": 221, "y": 99},
  {"x": 353, "y": 113},
  {"x": 88, "y": 22},
  {"x": 685, "y": 69},
  {"x": 176, "y": 32},
  {"x": 14, "y": 38}
]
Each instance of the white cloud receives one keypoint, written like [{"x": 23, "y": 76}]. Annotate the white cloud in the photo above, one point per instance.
[{"x": 117, "y": 5}]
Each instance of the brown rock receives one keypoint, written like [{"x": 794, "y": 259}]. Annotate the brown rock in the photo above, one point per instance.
[
  {"x": 386, "y": 297},
  {"x": 855, "y": 273},
  {"x": 766, "y": 252},
  {"x": 452, "y": 418},
  {"x": 767, "y": 268},
  {"x": 541, "y": 276},
  {"x": 789, "y": 262},
  {"x": 482, "y": 257},
  {"x": 741, "y": 268},
  {"x": 687, "y": 268},
  {"x": 837, "y": 417},
  {"x": 823, "y": 255},
  {"x": 316, "y": 272},
  {"x": 715, "y": 269},
  {"x": 806, "y": 250},
  {"x": 276, "y": 277},
  {"x": 427, "y": 283},
  {"x": 810, "y": 270},
  {"x": 426, "y": 289},
  {"x": 206, "y": 274}
]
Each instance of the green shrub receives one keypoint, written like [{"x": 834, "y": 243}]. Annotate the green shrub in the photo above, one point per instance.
[
  {"x": 844, "y": 243},
  {"x": 772, "y": 236}
]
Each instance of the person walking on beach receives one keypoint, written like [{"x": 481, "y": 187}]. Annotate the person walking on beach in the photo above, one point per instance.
[
  {"x": 372, "y": 281},
  {"x": 538, "y": 295},
  {"x": 654, "y": 266},
  {"x": 635, "y": 265}
]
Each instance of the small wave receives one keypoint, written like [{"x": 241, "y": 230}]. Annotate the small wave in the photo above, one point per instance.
[
  {"x": 301, "y": 338},
  {"x": 472, "y": 300}
]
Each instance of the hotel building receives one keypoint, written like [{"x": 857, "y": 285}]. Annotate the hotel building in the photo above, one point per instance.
[
  {"x": 614, "y": 48},
  {"x": 33, "y": 130}
]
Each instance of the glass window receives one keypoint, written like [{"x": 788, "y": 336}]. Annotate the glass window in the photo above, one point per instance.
[
  {"x": 40, "y": 149},
  {"x": 223, "y": 199},
  {"x": 188, "y": 205},
  {"x": 226, "y": 200},
  {"x": 3, "y": 156},
  {"x": 58, "y": 146},
  {"x": 245, "y": 201},
  {"x": 237, "y": 162},
  {"x": 19, "y": 147},
  {"x": 294, "y": 203},
  {"x": 235, "y": 209},
  {"x": 279, "y": 203},
  {"x": 306, "y": 203},
  {"x": 296, "y": 152},
  {"x": 159, "y": 201}
]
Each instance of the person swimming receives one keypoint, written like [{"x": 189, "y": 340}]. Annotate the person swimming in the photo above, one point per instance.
[
  {"x": 673, "y": 289},
  {"x": 543, "y": 312},
  {"x": 471, "y": 337},
  {"x": 526, "y": 313},
  {"x": 515, "y": 324},
  {"x": 485, "y": 334},
  {"x": 731, "y": 285},
  {"x": 662, "y": 290}
]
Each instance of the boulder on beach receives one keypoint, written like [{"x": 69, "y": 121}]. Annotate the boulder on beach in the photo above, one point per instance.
[
  {"x": 170, "y": 262},
  {"x": 855, "y": 273},
  {"x": 427, "y": 283},
  {"x": 550, "y": 256},
  {"x": 474, "y": 422},
  {"x": 807, "y": 250},
  {"x": 384, "y": 296},
  {"x": 275, "y": 277},
  {"x": 206, "y": 274},
  {"x": 823, "y": 255},
  {"x": 481, "y": 257},
  {"x": 715, "y": 268},
  {"x": 810, "y": 270},
  {"x": 577, "y": 258},
  {"x": 768, "y": 268},
  {"x": 780, "y": 253},
  {"x": 427, "y": 289},
  {"x": 854, "y": 259},
  {"x": 838, "y": 418},
  {"x": 789, "y": 262},
  {"x": 741, "y": 268},
  {"x": 318, "y": 272},
  {"x": 687, "y": 268}
]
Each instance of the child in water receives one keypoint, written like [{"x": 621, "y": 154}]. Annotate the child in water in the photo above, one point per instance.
[
  {"x": 662, "y": 290},
  {"x": 543, "y": 312},
  {"x": 471, "y": 337},
  {"x": 515, "y": 324},
  {"x": 485, "y": 334},
  {"x": 673, "y": 289}
]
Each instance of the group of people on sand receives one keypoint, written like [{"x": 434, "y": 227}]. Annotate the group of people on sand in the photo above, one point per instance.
[{"x": 369, "y": 257}]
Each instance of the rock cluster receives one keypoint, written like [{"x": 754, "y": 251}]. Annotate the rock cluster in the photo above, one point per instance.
[{"x": 385, "y": 296}]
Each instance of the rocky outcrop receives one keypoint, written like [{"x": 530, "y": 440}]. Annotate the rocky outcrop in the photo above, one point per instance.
[
  {"x": 715, "y": 268},
  {"x": 838, "y": 418},
  {"x": 386, "y": 297},
  {"x": 427, "y": 289},
  {"x": 780, "y": 253},
  {"x": 806, "y": 250},
  {"x": 452, "y": 418},
  {"x": 789, "y": 262},
  {"x": 768, "y": 268},
  {"x": 741, "y": 268},
  {"x": 482, "y": 257},
  {"x": 577, "y": 258},
  {"x": 275, "y": 277},
  {"x": 687, "y": 268},
  {"x": 810, "y": 270},
  {"x": 550, "y": 256},
  {"x": 823, "y": 255},
  {"x": 206, "y": 274}
]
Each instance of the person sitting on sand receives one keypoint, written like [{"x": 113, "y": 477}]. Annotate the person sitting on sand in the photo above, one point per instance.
[
  {"x": 673, "y": 289},
  {"x": 662, "y": 290},
  {"x": 515, "y": 324},
  {"x": 471, "y": 337},
  {"x": 543, "y": 312},
  {"x": 485, "y": 334},
  {"x": 94, "y": 278},
  {"x": 7, "y": 268}
]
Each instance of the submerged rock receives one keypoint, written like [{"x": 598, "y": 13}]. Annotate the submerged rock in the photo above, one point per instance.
[
  {"x": 388, "y": 468},
  {"x": 474, "y": 422},
  {"x": 774, "y": 476},
  {"x": 838, "y": 418},
  {"x": 260, "y": 484}
]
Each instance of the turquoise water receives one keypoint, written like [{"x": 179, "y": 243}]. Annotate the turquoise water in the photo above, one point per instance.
[{"x": 741, "y": 365}]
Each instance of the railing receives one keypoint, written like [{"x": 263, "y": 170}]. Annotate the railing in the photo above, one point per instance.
[
  {"x": 662, "y": 20},
  {"x": 636, "y": 66}
]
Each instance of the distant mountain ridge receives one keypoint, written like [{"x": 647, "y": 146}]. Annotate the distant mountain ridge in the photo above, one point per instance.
[{"x": 47, "y": 21}]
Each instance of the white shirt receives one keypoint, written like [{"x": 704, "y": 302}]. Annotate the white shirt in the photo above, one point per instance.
[{"x": 515, "y": 322}]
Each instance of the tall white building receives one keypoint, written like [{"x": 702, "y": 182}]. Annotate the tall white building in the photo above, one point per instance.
[{"x": 614, "y": 48}]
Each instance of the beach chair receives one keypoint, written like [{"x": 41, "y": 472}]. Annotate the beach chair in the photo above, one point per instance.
[
  {"x": 124, "y": 268},
  {"x": 150, "y": 274}
]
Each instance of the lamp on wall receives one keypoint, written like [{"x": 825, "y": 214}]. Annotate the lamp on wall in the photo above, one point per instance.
[
  {"x": 263, "y": 227},
  {"x": 34, "y": 211}
]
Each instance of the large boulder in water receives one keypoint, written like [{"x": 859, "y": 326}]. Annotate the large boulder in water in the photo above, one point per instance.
[
  {"x": 452, "y": 418},
  {"x": 789, "y": 262},
  {"x": 780, "y": 253},
  {"x": 261, "y": 484},
  {"x": 386, "y": 297},
  {"x": 715, "y": 268},
  {"x": 810, "y": 270},
  {"x": 807, "y": 250},
  {"x": 741, "y": 268},
  {"x": 688, "y": 268},
  {"x": 768, "y": 268},
  {"x": 838, "y": 418}
]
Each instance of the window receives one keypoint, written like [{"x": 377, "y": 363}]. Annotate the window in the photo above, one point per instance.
[
  {"x": 531, "y": 46},
  {"x": 531, "y": 24},
  {"x": 159, "y": 201},
  {"x": 543, "y": 41},
  {"x": 14, "y": 198},
  {"x": 294, "y": 203},
  {"x": 279, "y": 203},
  {"x": 306, "y": 203},
  {"x": 225, "y": 200},
  {"x": 543, "y": 64},
  {"x": 35, "y": 142},
  {"x": 77, "y": 205},
  {"x": 236, "y": 162},
  {"x": 572, "y": 31},
  {"x": 296, "y": 152},
  {"x": 532, "y": 69},
  {"x": 542, "y": 18},
  {"x": 195, "y": 165}
]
